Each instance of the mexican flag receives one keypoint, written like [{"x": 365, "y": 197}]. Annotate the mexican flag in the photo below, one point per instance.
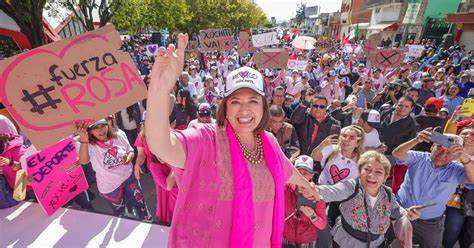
[{"x": 353, "y": 34}]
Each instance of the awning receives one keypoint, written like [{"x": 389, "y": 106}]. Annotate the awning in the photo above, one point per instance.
[
  {"x": 362, "y": 25},
  {"x": 385, "y": 26}
]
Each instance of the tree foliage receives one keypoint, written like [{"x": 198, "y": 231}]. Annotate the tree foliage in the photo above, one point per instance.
[
  {"x": 130, "y": 15},
  {"x": 83, "y": 10},
  {"x": 28, "y": 15},
  {"x": 300, "y": 14},
  {"x": 186, "y": 15}
]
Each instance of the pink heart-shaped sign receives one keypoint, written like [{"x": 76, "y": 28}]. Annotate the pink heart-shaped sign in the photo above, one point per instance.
[
  {"x": 338, "y": 174},
  {"x": 388, "y": 58}
]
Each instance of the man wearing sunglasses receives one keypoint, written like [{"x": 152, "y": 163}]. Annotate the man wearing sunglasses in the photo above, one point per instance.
[{"x": 312, "y": 126}]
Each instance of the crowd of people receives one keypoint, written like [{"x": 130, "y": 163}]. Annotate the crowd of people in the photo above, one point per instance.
[{"x": 391, "y": 151}]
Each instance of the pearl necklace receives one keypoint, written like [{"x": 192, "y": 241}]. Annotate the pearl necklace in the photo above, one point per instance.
[{"x": 256, "y": 158}]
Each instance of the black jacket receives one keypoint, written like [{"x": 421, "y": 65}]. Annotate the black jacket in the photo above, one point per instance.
[
  {"x": 394, "y": 134},
  {"x": 304, "y": 125},
  {"x": 425, "y": 122},
  {"x": 345, "y": 118}
]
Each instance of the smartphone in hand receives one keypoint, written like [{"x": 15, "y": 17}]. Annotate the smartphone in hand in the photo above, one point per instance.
[
  {"x": 441, "y": 139},
  {"x": 360, "y": 101},
  {"x": 335, "y": 129},
  {"x": 425, "y": 206}
]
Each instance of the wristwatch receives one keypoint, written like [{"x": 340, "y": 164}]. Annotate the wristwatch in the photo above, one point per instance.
[
  {"x": 313, "y": 217},
  {"x": 11, "y": 162}
]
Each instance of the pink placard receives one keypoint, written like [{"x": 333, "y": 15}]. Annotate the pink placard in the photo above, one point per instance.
[{"x": 56, "y": 177}]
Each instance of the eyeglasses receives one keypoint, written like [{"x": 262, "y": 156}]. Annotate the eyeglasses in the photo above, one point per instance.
[{"x": 319, "y": 106}]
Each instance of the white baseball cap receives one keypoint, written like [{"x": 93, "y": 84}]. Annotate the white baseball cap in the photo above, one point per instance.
[
  {"x": 244, "y": 77},
  {"x": 372, "y": 117},
  {"x": 305, "y": 162}
]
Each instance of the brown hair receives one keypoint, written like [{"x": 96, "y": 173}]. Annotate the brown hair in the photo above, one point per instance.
[
  {"x": 4, "y": 139},
  {"x": 221, "y": 117},
  {"x": 111, "y": 134}
]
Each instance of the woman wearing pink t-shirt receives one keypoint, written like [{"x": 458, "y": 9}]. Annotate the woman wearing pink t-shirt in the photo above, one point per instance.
[
  {"x": 231, "y": 177},
  {"x": 163, "y": 177}
]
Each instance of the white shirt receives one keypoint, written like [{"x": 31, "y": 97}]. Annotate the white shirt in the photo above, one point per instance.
[
  {"x": 196, "y": 123},
  {"x": 297, "y": 89},
  {"x": 372, "y": 139},
  {"x": 290, "y": 85},
  {"x": 379, "y": 83},
  {"x": 196, "y": 81},
  {"x": 338, "y": 169},
  {"x": 191, "y": 88},
  {"x": 331, "y": 91},
  {"x": 108, "y": 163}
]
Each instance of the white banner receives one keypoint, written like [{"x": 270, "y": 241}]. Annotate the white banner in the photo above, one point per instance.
[
  {"x": 299, "y": 65},
  {"x": 266, "y": 39},
  {"x": 415, "y": 50}
]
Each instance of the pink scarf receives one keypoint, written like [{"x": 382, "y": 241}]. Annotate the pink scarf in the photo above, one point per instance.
[{"x": 243, "y": 214}]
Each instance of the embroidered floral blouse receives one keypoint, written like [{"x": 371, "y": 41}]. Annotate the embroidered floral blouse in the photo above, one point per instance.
[{"x": 355, "y": 215}]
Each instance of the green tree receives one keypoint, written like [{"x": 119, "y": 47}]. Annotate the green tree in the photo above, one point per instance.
[
  {"x": 124, "y": 9},
  {"x": 234, "y": 14},
  {"x": 83, "y": 10},
  {"x": 173, "y": 14},
  {"x": 300, "y": 14},
  {"x": 28, "y": 15}
]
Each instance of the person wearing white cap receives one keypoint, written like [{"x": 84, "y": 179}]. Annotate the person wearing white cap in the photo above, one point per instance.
[
  {"x": 209, "y": 93},
  {"x": 183, "y": 83},
  {"x": 303, "y": 218},
  {"x": 465, "y": 84},
  {"x": 329, "y": 88},
  {"x": 204, "y": 116},
  {"x": 440, "y": 82},
  {"x": 111, "y": 155},
  {"x": 216, "y": 165},
  {"x": 379, "y": 80},
  {"x": 216, "y": 77},
  {"x": 292, "y": 81},
  {"x": 194, "y": 78},
  {"x": 370, "y": 122}
]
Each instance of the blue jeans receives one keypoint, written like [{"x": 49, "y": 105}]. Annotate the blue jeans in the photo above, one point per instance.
[
  {"x": 453, "y": 226},
  {"x": 129, "y": 191}
]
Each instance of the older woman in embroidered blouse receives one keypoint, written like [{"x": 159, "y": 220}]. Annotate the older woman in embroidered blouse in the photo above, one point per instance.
[{"x": 364, "y": 197}]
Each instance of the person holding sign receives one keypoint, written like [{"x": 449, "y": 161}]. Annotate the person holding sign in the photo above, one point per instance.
[
  {"x": 231, "y": 176},
  {"x": 111, "y": 157}
]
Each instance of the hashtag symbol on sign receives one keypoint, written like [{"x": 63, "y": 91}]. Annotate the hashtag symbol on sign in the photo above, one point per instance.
[{"x": 38, "y": 108}]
